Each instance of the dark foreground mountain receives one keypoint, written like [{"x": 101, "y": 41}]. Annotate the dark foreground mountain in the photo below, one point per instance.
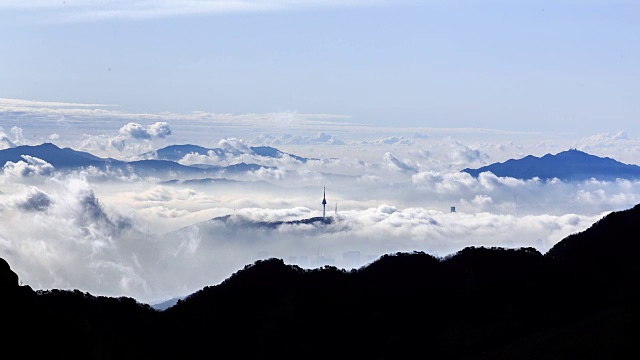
[
  {"x": 571, "y": 165},
  {"x": 581, "y": 300}
]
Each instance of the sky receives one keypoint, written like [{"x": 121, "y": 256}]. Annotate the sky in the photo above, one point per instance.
[
  {"x": 389, "y": 100},
  {"x": 550, "y": 66}
]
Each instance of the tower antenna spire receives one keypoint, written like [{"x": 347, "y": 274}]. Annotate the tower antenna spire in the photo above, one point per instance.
[{"x": 324, "y": 201}]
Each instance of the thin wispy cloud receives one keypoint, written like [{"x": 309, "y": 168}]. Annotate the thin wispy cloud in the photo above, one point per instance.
[
  {"x": 85, "y": 10},
  {"x": 289, "y": 127},
  {"x": 8, "y": 103}
]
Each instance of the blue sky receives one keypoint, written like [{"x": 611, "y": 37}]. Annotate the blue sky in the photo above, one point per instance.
[{"x": 547, "y": 66}]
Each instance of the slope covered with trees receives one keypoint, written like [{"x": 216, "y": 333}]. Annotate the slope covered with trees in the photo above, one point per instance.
[{"x": 580, "y": 300}]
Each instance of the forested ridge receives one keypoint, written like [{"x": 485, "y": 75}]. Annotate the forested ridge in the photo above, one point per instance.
[{"x": 579, "y": 300}]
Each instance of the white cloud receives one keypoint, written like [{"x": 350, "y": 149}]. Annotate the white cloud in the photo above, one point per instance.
[
  {"x": 321, "y": 138},
  {"x": 234, "y": 146},
  {"x": 393, "y": 162},
  {"x": 132, "y": 140},
  {"x": 618, "y": 145},
  {"x": 606, "y": 137},
  {"x": 135, "y": 131},
  {"x": 463, "y": 154},
  {"x": 124, "y": 147},
  {"x": 268, "y": 174},
  {"x": 509, "y": 195},
  {"x": 481, "y": 200},
  {"x": 33, "y": 199},
  {"x": 211, "y": 158},
  {"x": 165, "y": 194},
  {"x": 392, "y": 140},
  {"x": 31, "y": 166},
  {"x": 4, "y": 102},
  {"x": 18, "y": 136},
  {"x": 117, "y": 142},
  {"x": 16, "y": 139},
  {"x": 65, "y": 238},
  {"x": 5, "y": 141},
  {"x": 110, "y": 175},
  {"x": 159, "y": 129}
]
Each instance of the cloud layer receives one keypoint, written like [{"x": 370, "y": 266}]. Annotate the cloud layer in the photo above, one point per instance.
[
  {"x": 152, "y": 242},
  {"x": 161, "y": 242},
  {"x": 115, "y": 232}
]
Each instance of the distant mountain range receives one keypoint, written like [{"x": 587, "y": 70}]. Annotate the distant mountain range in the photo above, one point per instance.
[
  {"x": 580, "y": 300},
  {"x": 59, "y": 158},
  {"x": 570, "y": 165},
  {"x": 69, "y": 159},
  {"x": 177, "y": 152}
]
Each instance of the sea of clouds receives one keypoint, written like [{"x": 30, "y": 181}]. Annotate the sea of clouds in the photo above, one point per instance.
[{"x": 118, "y": 233}]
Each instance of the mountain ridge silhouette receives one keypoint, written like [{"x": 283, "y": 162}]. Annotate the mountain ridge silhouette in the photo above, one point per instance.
[
  {"x": 579, "y": 300},
  {"x": 178, "y": 151},
  {"x": 69, "y": 159},
  {"x": 570, "y": 165}
]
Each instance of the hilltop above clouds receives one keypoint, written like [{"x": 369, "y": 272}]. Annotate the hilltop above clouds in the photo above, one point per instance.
[{"x": 571, "y": 165}]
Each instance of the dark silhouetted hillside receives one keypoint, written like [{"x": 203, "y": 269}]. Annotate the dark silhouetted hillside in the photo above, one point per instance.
[
  {"x": 577, "y": 301},
  {"x": 606, "y": 255},
  {"x": 571, "y": 165}
]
